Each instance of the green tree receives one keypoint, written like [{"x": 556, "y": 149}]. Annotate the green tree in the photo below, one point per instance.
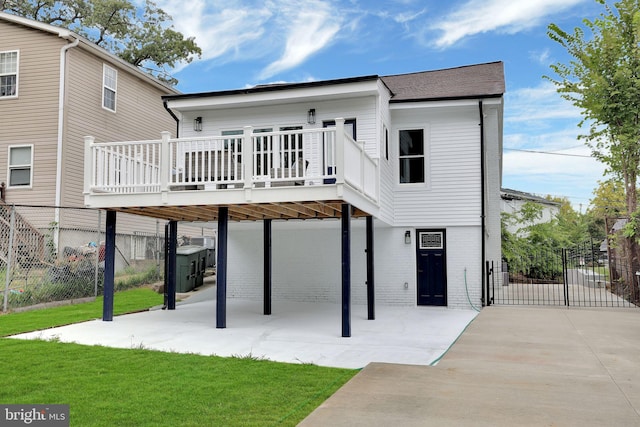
[
  {"x": 608, "y": 202},
  {"x": 609, "y": 199},
  {"x": 534, "y": 247},
  {"x": 603, "y": 80},
  {"x": 144, "y": 37}
]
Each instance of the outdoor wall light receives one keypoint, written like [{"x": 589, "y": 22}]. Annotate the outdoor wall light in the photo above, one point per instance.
[
  {"x": 407, "y": 237},
  {"x": 197, "y": 124},
  {"x": 311, "y": 116}
]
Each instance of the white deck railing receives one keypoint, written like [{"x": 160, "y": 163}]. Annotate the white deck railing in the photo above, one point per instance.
[{"x": 300, "y": 157}]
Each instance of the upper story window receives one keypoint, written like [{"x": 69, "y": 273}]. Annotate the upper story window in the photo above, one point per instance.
[
  {"x": 109, "y": 87},
  {"x": 9, "y": 74},
  {"x": 20, "y": 165},
  {"x": 412, "y": 156}
]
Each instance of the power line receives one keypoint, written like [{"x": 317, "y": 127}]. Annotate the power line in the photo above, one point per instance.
[{"x": 548, "y": 152}]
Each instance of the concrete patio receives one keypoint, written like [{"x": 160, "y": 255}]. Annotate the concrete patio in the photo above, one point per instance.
[{"x": 294, "y": 333}]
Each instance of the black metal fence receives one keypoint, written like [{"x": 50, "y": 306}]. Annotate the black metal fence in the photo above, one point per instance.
[{"x": 581, "y": 276}]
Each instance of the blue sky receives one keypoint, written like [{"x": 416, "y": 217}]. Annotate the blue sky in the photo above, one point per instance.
[{"x": 248, "y": 42}]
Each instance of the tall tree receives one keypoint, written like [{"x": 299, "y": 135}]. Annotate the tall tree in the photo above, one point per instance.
[
  {"x": 143, "y": 36},
  {"x": 603, "y": 80},
  {"x": 609, "y": 200}
]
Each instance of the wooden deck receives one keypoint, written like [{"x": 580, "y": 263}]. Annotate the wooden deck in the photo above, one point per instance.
[{"x": 295, "y": 174}]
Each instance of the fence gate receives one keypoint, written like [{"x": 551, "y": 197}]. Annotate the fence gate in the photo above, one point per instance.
[{"x": 574, "y": 277}]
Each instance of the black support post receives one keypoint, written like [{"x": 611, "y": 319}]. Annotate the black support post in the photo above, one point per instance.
[
  {"x": 171, "y": 265},
  {"x": 346, "y": 270},
  {"x": 267, "y": 266},
  {"x": 371, "y": 312},
  {"x": 109, "y": 266},
  {"x": 221, "y": 266}
]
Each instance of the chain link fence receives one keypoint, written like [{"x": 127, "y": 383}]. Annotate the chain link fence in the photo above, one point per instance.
[{"x": 44, "y": 261}]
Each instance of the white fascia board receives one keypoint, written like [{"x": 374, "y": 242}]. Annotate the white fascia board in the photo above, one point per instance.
[
  {"x": 275, "y": 96},
  {"x": 444, "y": 103},
  {"x": 60, "y": 32}
]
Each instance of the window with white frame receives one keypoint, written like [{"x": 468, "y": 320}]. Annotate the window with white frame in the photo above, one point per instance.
[
  {"x": 9, "y": 74},
  {"x": 412, "y": 156},
  {"x": 109, "y": 87},
  {"x": 20, "y": 169}
]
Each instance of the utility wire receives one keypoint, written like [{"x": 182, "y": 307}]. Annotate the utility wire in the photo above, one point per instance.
[{"x": 548, "y": 152}]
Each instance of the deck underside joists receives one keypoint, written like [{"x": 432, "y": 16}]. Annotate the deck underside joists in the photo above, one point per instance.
[{"x": 245, "y": 212}]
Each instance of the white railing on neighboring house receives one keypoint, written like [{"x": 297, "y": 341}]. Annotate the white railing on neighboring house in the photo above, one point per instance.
[{"x": 247, "y": 159}]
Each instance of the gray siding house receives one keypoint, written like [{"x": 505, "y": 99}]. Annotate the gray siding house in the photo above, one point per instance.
[
  {"x": 55, "y": 88},
  {"x": 365, "y": 190}
]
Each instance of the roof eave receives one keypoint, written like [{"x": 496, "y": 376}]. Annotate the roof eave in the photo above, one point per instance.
[
  {"x": 270, "y": 88},
  {"x": 446, "y": 98}
]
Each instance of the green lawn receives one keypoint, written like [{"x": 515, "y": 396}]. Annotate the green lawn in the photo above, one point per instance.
[
  {"x": 124, "y": 302},
  {"x": 137, "y": 387}
]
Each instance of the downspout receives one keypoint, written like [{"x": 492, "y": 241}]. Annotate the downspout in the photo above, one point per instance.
[
  {"x": 482, "y": 201},
  {"x": 61, "y": 100},
  {"x": 166, "y": 107}
]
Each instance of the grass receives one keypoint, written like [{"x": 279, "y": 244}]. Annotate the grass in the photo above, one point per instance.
[
  {"x": 130, "y": 277},
  {"x": 138, "y": 387},
  {"x": 119, "y": 387},
  {"x": 124, "y": 302}
]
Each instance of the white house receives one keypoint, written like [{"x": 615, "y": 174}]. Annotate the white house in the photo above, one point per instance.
[
  {"x": 512, "y": 202},
  {"x": 357, "y": 191}
]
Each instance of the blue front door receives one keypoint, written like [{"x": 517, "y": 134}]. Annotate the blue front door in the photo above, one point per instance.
[{"x": 432, "y": 267}]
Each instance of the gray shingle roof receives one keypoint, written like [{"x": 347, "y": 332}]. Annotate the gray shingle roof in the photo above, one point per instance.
[{"x": 481, "y": 80}]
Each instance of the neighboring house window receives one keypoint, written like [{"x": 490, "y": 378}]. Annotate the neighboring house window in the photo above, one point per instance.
[
  {"x": 109, "y": 87},
  {"x": 412, "y": 156},
  {"x": 20, "y": 165},
  {"x": 9, "y": 74}
]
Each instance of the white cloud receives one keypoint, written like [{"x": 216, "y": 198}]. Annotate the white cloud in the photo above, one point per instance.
[
  {"x": 307, "y": 31},
  {"x": 406, "y": 16},
  {"x": 558, "y": 175},
  {"x": 236, "y": 30},
  {"x": 537, "y": 119},
  {"x": 218, "y": 30},
  {"x": 542, "y": 57},
  {"x": 539, "y": 103},
  {"x": 507, "y": 16}
]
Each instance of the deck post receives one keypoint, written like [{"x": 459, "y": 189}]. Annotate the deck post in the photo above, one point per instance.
[
  {"x": 165, "y": 167},
  {"x": 221, "y": 265},
  {"x": 89, "y": 164},
  {"x": 247, "y": 159},
  {"x": 371, "y": 315},
  {"x": 346, "y": 270},
  {"x": 171, "y": 265},
  {"x": 339, "y": 151},
  {"x": 109, "y": 266},
  {"x": 267, "y": 267}
]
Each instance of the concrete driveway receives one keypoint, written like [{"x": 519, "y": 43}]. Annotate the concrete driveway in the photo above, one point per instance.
[{"x": 512, "y": 366}]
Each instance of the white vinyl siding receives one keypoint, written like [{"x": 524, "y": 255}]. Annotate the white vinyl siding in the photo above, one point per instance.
[
  {"x": 20, "y": 171},
  {"x": 109, "y": 87},
  {"x": 452, "y": 195},
  {"x": 293, "y": 115},
  {"x": 9, "y": 74}
]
